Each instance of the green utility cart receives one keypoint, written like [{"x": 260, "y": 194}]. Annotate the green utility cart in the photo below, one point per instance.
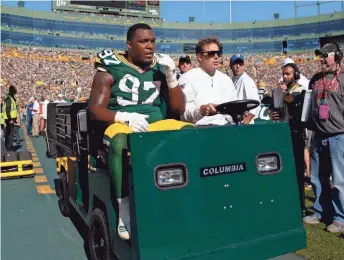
[{"x": 213, "y": 193}]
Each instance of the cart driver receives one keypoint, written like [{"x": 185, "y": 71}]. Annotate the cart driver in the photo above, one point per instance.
[
  {"x": 127, "y": 94},
  {"x": 206, "y": 87}
]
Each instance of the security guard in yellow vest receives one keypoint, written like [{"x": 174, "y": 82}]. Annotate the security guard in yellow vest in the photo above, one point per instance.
[{"x": 10, "y": 114}]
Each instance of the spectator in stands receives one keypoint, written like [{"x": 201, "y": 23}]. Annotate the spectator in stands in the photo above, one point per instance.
[
  {"x": 244, "y": 85},
  {"x": 327, "y": 147},
  {"x": 60, "y": 99},
  {"x": 184, "y": 65},
  {"x": 206, "y": 86},
  {"x": 264, "y": 94}
]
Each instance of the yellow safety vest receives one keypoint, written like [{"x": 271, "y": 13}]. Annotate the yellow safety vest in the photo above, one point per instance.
[
  {"x": 14, "y": 110},
  {"x": 2, "y": 120}
]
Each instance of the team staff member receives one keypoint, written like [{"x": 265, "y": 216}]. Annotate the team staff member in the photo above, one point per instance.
[
  {"x": 184, "y": 65},
  {"x": 205, "y": 87},
  {"x": 127, "y": 94},
  {"x": 10, "y": 114},
  {"x": 292, "y": 108},
  {"x": 244, "y": 85},
  {"x": 327, "y": 145},
  {"x": 302, "y": 81}
]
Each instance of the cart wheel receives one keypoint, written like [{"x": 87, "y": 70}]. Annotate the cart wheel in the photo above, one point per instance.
[
  {"x": 63, "y": 195},
  {"x": 99, "y": 237}
]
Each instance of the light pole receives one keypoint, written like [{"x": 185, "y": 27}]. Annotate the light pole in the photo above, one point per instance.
[{"x": 230, "y": 11}]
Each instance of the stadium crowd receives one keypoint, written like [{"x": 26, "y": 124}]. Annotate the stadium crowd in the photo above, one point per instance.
[{"x": 45, "y": 73}]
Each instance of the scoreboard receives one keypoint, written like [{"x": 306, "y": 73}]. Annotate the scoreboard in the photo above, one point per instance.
[{"x": 145, "y": 8}]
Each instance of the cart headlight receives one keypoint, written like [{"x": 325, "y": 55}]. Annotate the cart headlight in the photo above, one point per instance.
[
  {"x": 268, "y": 163},
  {"x": 170, "y": 176}
]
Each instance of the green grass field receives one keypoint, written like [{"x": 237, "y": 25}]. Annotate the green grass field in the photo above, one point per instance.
[{"x": 321, "y": 245}]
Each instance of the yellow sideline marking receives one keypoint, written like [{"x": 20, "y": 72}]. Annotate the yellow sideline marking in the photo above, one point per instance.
[
  {"x": 45, "y": 189},
  {"x": 38, "y": 170},
  {"x": 40, "y": 178},
  {"x": 36, "y": 164},
  {"x": 41, "y": 189}
]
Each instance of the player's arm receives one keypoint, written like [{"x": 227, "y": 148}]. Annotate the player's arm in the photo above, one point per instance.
[
  {"x": 177, "y": 100},
  {"x": 100, "y": 97},
  {"x": 176, "y": 96},
  {"x": 99, "y": 101}
]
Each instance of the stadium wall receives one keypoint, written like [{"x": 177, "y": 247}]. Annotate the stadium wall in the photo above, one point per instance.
[{"x": 61, "y": 30}]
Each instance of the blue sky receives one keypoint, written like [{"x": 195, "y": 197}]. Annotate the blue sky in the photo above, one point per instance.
[{"x": 218, "y": 11}]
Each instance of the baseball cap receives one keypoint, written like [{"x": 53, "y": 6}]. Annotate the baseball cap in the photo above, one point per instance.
[
  {"x": 236, "y": 57},
  {"x": 184, "y": 58},
  {"x": 60, "y": 95},
  {"x": 287, "y": 61},
  {"x": 326, "y": 48}
]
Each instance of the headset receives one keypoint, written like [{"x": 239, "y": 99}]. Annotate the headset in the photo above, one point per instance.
[
  {"x": 296, "y": 70},
  {"x": 338, "y": 56}
]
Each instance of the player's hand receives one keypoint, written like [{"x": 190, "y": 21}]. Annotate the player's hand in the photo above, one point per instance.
[
  {"x": 208, "y": 110},
  {"x": 137, "y": 122},
  {"x": 283, "y": 86},
  {"x": 169, "y": 67}
]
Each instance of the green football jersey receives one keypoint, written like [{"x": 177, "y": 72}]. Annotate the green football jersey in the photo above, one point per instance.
[{"x": 134, "y": 89}]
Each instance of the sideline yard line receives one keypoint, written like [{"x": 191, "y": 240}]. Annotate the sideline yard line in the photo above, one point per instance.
[{"x": 42, "y": 178}]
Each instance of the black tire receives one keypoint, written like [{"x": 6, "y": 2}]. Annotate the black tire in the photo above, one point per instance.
[
  {"x": 63, "y": 195},
  {"x": 99, "y": 237}
]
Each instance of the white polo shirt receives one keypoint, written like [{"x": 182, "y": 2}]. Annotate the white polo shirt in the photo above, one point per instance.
[
  {"x": 201, "y": 89},
  {"x": 246, "y": 89}
]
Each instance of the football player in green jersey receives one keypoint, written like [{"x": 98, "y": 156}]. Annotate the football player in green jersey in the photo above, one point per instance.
[{"x": 128, "y": 93}]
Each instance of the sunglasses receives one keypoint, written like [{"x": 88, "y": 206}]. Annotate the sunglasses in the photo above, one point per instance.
[
  {"x": 325, "y": 55},
  {"x": 211, "y": 54}
]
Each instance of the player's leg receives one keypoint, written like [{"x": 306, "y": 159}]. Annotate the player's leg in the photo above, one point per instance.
[{"x": 116, "y": 135}]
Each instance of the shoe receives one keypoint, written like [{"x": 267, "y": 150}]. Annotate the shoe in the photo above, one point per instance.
[
  {"x": 123, "y": 230},
  {"x": 335, "y": 227},
  {"x": 312, "y": 219}
]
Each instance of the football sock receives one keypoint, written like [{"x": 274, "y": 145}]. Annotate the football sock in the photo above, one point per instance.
[{"x": 123, "y": 228}]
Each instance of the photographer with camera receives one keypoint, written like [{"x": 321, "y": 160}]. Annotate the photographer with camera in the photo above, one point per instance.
[{"x": 287, "y": 106}]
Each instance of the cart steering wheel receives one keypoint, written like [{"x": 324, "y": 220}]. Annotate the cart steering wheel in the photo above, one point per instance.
[{"x": 236, "y": 109}]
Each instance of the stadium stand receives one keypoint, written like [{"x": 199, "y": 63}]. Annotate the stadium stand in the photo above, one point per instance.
[{"x": 68, "y": 30}]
